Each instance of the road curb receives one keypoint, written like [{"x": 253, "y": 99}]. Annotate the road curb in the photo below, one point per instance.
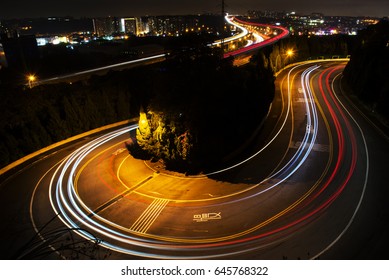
[{"x": 40, "y": 152}]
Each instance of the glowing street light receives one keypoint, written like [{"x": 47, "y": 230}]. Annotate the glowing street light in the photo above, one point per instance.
[
  {"x": 289, "y": 52},
  {"x": 31, "y": 78}
]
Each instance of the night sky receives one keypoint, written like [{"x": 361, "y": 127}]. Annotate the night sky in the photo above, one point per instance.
[{"x": 91, "y": 8}]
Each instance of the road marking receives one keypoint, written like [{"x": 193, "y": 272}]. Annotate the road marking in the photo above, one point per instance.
[
  {"x": 119, "y": 151},
  {"x": 148, "y": 217},
  {"x": 118, "y": 197},
  {"x": 205, "y": 217},
  {"x": 302, "y": 100}
]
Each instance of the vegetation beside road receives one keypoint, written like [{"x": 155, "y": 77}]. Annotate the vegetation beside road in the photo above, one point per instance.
[{"x": 367, "y": 72}]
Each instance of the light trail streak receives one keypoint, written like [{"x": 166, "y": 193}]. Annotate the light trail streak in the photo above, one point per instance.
[
  {"x": 91, "y": 71},
  {"x": 364, "y": 184},
  {"x": 73, "y": 212},
  {"x": 259, "y": 40},
  {"x": 71, "y": 202},
  {"x": 309, "y": 122},
  {"x": 303, "y": 150},
  {"x": 283, "y": 33},
  {"x": 240, "y": 35},
  {"x": 328, "y": 201}
]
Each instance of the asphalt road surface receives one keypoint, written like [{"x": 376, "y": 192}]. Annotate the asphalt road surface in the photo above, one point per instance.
[{"x": 312, "y": 185}]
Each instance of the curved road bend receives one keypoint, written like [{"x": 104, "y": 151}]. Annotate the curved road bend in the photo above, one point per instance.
[{"x": 309, "y": 189}]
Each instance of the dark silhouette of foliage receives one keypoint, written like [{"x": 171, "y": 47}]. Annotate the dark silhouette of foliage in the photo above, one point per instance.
[
  {"x": 367, "y": 72},
  {"x": 31, "y": 119}
]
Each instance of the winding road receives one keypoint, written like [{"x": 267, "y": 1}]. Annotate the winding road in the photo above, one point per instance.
[{"x": 310, "y": 186}]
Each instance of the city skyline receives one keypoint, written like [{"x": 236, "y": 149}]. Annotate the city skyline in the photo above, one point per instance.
[{"x": 88, "y": 8}]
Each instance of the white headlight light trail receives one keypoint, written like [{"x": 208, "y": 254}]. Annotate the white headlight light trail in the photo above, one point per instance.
[{"x": 72, "y": 210}]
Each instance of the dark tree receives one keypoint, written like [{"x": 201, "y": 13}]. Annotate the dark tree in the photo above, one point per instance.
[{"x": 367, "y": 72}]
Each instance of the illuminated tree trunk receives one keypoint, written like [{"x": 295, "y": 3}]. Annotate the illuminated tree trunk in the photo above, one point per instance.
[{"x": 143, "y": 133}]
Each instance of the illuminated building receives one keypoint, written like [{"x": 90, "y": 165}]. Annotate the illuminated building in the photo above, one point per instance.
[
  {"x": 130, "y": 26},
  {"x": 106, "y": 26},
  {"x": 178, "y": 25}
]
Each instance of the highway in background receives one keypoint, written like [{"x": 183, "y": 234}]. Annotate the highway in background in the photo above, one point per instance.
[
  {"x": 258, "y": 32},
  {"x": 310, "y": 186}
]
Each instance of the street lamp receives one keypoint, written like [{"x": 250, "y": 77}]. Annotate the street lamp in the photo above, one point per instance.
[
  {"x": 288, "y": 53},
  {"x": 31, "y": 78}
]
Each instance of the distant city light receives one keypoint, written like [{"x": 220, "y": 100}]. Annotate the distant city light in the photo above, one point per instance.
[
  {"x": 115, "y": 28},
  {"x": 55, "y": 40}
]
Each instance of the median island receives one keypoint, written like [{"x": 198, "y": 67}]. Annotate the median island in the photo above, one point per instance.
[{"x": 202, "y": 110}]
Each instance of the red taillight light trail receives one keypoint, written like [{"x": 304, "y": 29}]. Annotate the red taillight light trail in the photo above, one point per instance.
[{"x": 283, "y": 34}]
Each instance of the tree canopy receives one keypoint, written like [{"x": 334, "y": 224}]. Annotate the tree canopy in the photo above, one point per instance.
[{"x": 367, "y": 71}]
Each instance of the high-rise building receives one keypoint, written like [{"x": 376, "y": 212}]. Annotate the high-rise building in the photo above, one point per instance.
[
  {"x": 106, "y": 26},
  {"x": 178, "y": 25},
  {"x": 129, "y": 26}
]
